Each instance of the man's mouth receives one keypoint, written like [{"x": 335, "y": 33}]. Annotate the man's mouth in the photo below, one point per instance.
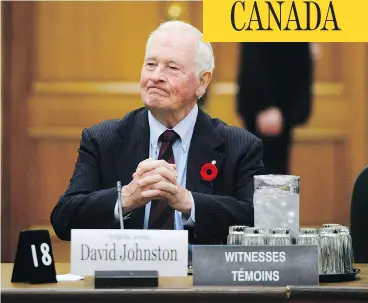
[{"x": 157, "y": 90}]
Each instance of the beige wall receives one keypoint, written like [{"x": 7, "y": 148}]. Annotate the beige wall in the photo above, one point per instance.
[{"x": 76, "y": 63}]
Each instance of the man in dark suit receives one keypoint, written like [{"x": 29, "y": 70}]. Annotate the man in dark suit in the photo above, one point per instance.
[
  {"x": 158, "y": 153},
  {"x": 274, "y": 96}
]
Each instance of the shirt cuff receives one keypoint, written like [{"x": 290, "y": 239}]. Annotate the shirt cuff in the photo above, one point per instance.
[
  {"x": 116, "y": 211},
  {"x": 192, "y": 212}
]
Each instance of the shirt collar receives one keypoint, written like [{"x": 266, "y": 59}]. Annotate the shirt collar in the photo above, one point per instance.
[{"x": 184, "y": 128}]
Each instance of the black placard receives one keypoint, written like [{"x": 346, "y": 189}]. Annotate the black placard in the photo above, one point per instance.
[
  {"x": 122, "y": 279},
  {"x": 34, "y": 259}
]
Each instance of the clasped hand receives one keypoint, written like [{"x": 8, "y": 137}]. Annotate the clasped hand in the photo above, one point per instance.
[{"x": 155, "y": 180}]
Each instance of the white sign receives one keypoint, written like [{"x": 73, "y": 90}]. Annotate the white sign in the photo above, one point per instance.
[{"x": 131, "y": 249}]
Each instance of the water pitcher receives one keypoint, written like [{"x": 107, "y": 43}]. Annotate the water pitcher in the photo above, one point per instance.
[{"x": 276, "y": 202}]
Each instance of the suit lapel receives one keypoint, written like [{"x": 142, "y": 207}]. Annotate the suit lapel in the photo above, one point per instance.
[
  {"x": 129, "y": 152},
  {"x": 204, "y": 148}
]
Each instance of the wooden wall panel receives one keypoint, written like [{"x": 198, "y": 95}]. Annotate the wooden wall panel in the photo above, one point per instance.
[
  {"x": 92, "y": 41},
  {"x": 55, "y": 162},
  {"x": 356, "y": 78},
  {"x": 17, "y": 75},
  {"x": 343, "y": 183},
  {"x": 5, "y": 135},
  {"x": 328, "y": 68},
  {"x": 81, "y": 111},
  {"x": 320, "y": 200},
  {"x": 315, "y": 196},
  {"x": 226, "y": 61}
]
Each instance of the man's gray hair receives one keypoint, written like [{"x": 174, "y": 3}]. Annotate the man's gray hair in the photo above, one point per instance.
[{"x": 205, "y": 60}]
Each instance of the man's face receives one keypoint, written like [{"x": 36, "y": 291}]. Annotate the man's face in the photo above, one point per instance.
[{"x": 168, "y": 80}]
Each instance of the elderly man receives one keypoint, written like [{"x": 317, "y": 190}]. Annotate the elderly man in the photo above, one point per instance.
[{"x": 179, "y": 168}]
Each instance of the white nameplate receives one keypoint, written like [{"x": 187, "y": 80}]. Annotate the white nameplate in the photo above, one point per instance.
[{"x": 131, "y": 249}]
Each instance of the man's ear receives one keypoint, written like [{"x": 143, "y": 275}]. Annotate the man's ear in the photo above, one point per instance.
[{"x": 204, "y": 80}]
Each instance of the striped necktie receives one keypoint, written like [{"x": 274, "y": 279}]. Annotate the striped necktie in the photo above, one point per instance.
[{"x": 161, "y": 214}]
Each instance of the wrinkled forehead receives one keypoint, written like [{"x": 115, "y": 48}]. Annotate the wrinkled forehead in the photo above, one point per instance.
[{"x": 169, "y": 46}]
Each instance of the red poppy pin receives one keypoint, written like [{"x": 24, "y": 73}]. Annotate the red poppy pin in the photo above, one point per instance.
[{"x": 209, "y": 171}]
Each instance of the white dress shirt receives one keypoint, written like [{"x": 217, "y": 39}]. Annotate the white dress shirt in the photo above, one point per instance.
[{"x": 180, "y": 149}]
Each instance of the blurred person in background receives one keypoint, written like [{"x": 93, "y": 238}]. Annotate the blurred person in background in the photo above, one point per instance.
[{"x": 274, "y": 96}]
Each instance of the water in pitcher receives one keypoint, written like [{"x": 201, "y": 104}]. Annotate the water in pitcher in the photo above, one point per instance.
[{"x": 276, "y": 202}]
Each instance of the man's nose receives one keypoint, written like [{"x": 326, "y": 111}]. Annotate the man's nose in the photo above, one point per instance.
[{"x": 157, "y": 75}]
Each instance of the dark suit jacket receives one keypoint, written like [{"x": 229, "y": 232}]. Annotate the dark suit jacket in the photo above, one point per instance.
[
  {"x": 275, "y": 74},
  {"x": 110, "y": 151}
]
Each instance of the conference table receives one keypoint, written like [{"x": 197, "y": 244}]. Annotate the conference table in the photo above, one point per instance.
[{"x": 178, "y": 290}]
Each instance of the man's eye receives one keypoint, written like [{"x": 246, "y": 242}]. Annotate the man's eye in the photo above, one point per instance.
[
  {"x": 150, "y": 64},
  {"x": 173, "y": 67}
]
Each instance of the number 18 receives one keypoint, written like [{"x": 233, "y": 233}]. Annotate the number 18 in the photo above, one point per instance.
[{"x": 46, "y": 258}]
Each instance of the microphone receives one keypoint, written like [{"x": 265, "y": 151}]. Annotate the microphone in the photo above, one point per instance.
[{"x": 120, "y": 206}]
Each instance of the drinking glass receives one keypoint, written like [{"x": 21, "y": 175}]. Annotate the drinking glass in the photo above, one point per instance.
[
  {"x": 276, "y": 202},
  {"x": 331, "y": 251},
  {"x": 310, "y": 236},
  {"x": 235, "y": 238}
]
